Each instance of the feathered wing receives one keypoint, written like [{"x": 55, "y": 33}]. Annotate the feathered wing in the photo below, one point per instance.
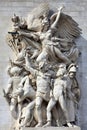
[
  {"x": 33, "y": 19},
  {"x": 67, "y": 27}
]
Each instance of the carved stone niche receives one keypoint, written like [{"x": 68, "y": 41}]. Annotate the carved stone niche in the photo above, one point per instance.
[{"x": 43, "y": 89}]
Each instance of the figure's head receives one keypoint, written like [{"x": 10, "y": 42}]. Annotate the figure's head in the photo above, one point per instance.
[
  {"x": 72, "y": 70},
  {"x": 61, "y": 71},
  {"x": 45, "y": 22},
  {"x": 15, "y": 71}
]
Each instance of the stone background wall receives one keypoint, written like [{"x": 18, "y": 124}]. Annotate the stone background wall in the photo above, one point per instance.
[{"x": 75, "y": 8}]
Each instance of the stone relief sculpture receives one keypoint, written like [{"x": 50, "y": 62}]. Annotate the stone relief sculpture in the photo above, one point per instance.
[{"x": 43, "y": 89}]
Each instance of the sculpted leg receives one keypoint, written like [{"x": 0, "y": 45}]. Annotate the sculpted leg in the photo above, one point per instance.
[
  {"x": 64, "y": 108},
  {"x": 56, "y": 116},
  {"x": 39, "y": 112},
  {"x": 28, "y": 113},
  {"x": 13, "y": 108},
  {"x": 22, "y": 98},
  {"x": 51, "y": 104},
  {"x": 28, "y": 93}
]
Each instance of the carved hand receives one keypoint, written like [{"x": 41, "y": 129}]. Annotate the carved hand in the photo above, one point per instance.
[{"x": 60, "y": 9}]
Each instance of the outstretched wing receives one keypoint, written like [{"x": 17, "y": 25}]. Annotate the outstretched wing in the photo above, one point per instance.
[
  {"x": 34, "y": 17},
  {"x": 67, "y": 27}
]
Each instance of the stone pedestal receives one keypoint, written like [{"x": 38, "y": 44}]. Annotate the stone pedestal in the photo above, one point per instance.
[
  {"x": 53, "y": 128},
  {"x": 40, "y": 128}
]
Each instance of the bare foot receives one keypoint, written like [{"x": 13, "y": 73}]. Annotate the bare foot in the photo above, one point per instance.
[
  {"x": 47, "y": 124},
  {"x": 39, "y": 124},
  {"x": 69, "y": 125},
  {"x": 58, "y": 124}
]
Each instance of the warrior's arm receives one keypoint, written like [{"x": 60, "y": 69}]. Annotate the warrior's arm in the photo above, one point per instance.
[
  {"x": 29, "y": 68},
  {"x": 29, "y": 35},
  {"x": 9, "y": 87}
]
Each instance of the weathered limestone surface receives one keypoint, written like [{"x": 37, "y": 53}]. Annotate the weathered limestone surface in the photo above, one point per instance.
[{"x": 76, "y": 9}]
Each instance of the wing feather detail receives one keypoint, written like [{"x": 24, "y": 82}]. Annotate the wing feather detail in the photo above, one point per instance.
[{"x": 66, "y": 27}]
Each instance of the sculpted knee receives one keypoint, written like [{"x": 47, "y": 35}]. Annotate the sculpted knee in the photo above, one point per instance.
[
  {"x": 38, "y": 106},
  {"x": 64, "y": 110},
  {"x": 48, "y": 109}
]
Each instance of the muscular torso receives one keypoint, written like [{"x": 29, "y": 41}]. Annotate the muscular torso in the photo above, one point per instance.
[
  {"x": 59, "y": 86},
  {"x": 43, "y": 82},
  {"x": 15, "y": 82}
]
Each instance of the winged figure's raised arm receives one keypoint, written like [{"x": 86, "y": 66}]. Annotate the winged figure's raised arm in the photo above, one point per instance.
[{"x": 66, "y": 27}]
